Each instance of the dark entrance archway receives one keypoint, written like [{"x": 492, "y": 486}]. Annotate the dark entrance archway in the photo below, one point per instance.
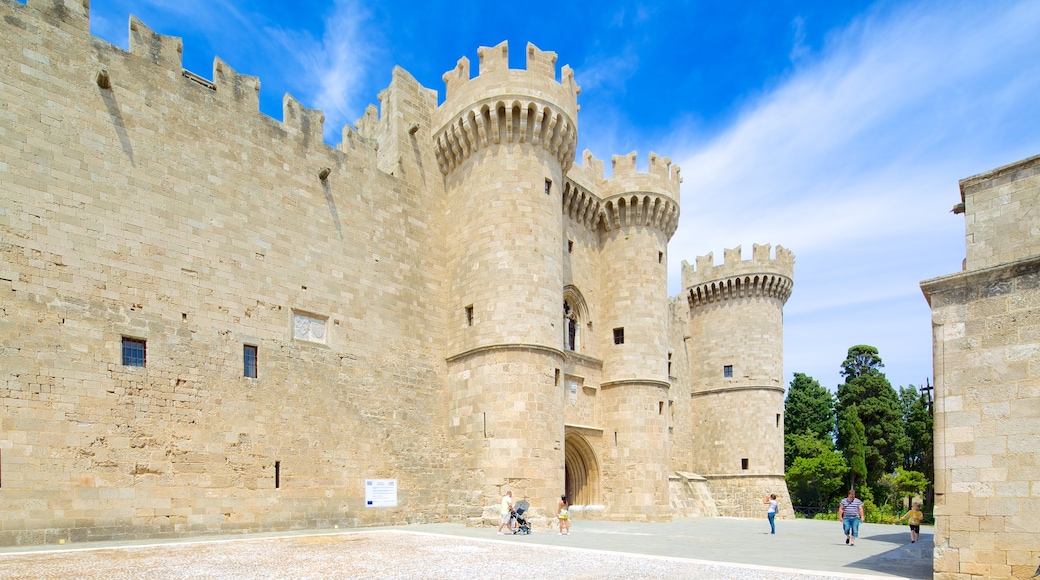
[{"x": 581, "y": 470}]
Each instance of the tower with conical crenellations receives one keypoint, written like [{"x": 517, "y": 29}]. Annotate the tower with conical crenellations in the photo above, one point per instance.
[
  {"x": 736, "y": 374},
  {"x": 504, "y": 140}
]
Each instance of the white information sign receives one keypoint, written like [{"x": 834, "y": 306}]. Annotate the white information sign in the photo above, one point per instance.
[{"x": 381, "y": 493}]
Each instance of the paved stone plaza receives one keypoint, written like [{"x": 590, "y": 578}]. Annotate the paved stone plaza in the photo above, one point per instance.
[{"x": 688, "y": 548}]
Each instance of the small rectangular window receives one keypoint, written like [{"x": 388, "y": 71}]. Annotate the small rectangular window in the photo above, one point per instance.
[
  {"x": 619, "y": 336},
  {"x": 727, "y": 371},
  {"x": 744, "y": 463},
  {"x": 570, "y": 246},
  {"x": 469, "y": 315},
  {"x": 660, "y": 257},
  {"x": 669, "y": 364},
  {"x": 548, "y": 186},
  {"x": 134, "y": 351},
  {"x": 778, "y": 420},
  {"x": 249, "y": 360}
]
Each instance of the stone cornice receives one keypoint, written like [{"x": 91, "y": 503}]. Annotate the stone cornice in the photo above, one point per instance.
[
  {"x": 963, "y": 287},
  {"x": 507, "y": 346},
  {"x": 737, "y": 388},
  {"x": 641, "y": 382}
]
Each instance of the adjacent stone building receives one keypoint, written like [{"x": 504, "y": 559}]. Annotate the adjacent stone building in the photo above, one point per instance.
[
  {"x": 986, "y": 329},
  {"x": 213, "y": 321}
]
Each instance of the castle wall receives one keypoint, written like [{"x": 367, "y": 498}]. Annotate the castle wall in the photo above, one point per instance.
[
  {"x": 165, "y": 210},
  {"x": 986, "y": 334},
  {"x": 403, "y": 292}
]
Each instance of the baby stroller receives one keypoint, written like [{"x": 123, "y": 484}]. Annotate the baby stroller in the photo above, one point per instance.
[{"x": 522, "y": 525}]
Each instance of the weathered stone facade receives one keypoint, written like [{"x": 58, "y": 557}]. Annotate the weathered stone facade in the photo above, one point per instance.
[
  {"x": 986, "y": 332},
  {"x": 444, "y": 299}
]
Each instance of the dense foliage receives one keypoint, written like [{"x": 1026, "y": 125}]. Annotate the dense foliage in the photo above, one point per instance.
[{"x": 869, "y": 437}]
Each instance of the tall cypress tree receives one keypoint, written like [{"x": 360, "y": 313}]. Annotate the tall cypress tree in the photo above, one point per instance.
[
  {"x": 877, "y": 406},
  {"x": 852, "y": 441}
]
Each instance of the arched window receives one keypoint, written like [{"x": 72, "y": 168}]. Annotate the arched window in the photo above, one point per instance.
[
  {"x": 570, "y": 323},
  {"x": 575, "y": 316}
]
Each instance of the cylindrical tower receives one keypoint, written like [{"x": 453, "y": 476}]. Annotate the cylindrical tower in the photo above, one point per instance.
[
  {"x": 737, "y": 369},
  {"x": 641, "y": 212},
  {"x": 504, "y": 141}
]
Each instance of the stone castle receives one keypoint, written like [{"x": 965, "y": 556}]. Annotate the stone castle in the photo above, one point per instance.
[{"x": 213, "y": 321}]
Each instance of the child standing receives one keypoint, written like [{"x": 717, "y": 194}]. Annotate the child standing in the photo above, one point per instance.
[{"x": 914, "y": 517}]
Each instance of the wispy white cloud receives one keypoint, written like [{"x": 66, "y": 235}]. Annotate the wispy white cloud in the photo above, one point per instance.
[
  {"x": 798, "y": 47},
  {"x": 332, "y": 67},
  {"x": 853, "y": 162}
]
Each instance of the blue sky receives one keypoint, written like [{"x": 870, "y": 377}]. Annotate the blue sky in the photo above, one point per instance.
[{"x": 836, "y": 129}]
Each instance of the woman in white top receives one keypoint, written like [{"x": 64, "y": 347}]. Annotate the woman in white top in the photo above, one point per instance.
[{"x": 771, "y": 512}]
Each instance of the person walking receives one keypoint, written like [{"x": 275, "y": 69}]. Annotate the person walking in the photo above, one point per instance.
[
  {"x": 771, "y": 511},
  {"x": 564, "y": 516},
  {"x": 851, "y": 513},
  {"x": 914, "y": 517},
  {"x": 506, "y": 512}
]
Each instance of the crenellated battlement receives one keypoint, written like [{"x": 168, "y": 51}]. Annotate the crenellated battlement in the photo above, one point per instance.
[
  {"x": 503, "y": 105},
  {"x": 628, "y": 197},
  {"x": 762, "y": 275},
  {"x": 228, "y": 88}
]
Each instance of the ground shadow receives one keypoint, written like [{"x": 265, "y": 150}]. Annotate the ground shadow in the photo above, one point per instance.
[{"x": 909, "y": 560}]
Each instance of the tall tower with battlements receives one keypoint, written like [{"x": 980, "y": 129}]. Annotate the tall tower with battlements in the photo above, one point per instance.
[
  {"x": 641, "y": 212},
  {"x": 504, "y": 141},
  {"x": 736, "y": 375}
]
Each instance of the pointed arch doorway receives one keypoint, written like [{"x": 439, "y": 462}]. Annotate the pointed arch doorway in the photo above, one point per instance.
[{"x": 581, "y": 470}]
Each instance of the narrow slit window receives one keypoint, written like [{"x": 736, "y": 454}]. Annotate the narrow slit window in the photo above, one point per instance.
[
  {"x": 277, "y": 474},
  {"x": 469, "y": 315},
  {"x": 669, "y": 364},
  {"x": 660, "y": 257},
  {"x": 727, "y": 371},
  {"x": 778, "y": 420},
  {"x": 548, "y": 186},
  {"x": 619, "y": 336},
  {"x": 249, "y": 360},
  {"x": 744, "y": 463},
  {"x": 134, "y": 351},
  {"x": 570, "y": 246},
  {"x": 660, "y": 407}
]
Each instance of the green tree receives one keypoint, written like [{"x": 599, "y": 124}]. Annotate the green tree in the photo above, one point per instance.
[
  {"x": 809, "y": 406},
  {"x": 817, "y": 481},
  {"x": 910, "y": 483},
  {"x": 918, "y": 424},
  {"x": 861, "y": 359},
  {"x": 852, "y": 442},
  {"x": 877, "y": 408}
]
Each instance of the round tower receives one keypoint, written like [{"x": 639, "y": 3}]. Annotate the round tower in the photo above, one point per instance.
[
  {"x": 737, "y": 369},
  {"x": 640, "y": 214},
  {"x": 504, "y": 140}
]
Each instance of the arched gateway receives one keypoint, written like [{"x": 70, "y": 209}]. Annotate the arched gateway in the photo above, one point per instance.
[{"x": 582, "y": 471}]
